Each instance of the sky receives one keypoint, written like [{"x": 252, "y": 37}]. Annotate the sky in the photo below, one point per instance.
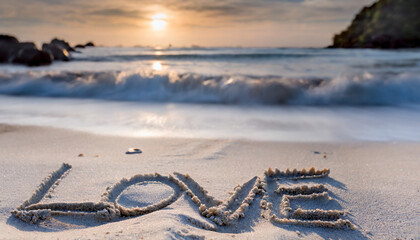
[{"x": 247, "y": 23}]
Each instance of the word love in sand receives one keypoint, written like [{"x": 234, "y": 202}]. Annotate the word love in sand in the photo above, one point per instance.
[{"x": 274, "y": 198}]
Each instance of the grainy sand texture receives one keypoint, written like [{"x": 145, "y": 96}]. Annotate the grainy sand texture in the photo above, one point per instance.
[{"x": 71, "y": 185}]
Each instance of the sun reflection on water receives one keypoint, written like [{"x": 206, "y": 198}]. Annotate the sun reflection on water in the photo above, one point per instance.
[{"x": 157, "y": 66}]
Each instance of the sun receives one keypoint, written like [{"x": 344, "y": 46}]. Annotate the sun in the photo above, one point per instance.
[{"x": 159, "y": 22}]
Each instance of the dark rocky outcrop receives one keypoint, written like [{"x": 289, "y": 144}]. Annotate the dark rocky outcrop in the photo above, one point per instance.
[
  {"x": 56, "y": 51},
  {"x": 13, "y": 51},
  {"x": 8, "y": 39},
  {"x": 33, "y": 57},
  {"x": 385, "y": 24},
  {"x": 62, "y": 44},
  {"x": 89, "y": 44},
  {"x": 7, "y": 45},
  {"x": 79, "y": 46}
]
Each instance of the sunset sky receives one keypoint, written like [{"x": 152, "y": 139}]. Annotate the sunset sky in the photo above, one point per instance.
[{"x": 264, "y": 23}]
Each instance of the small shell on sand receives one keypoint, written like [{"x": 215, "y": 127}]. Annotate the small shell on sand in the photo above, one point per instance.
[
  {"x": 133, "y": 151},
  {"x": 81, "y": 155}
]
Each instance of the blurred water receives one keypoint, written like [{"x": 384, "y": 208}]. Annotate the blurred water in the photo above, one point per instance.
[
  {"x": 226, "y": 76},
  {"x": 251, "y": 93},
  {"x": 280, "y": 123}
]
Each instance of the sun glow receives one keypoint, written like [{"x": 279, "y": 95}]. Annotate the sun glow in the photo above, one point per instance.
[
  {"x": 159, "y": 22},
  {"x": 157, "y": 66}
]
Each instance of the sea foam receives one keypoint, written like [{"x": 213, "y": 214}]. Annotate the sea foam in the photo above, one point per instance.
[{"x": 354, "y": 89}]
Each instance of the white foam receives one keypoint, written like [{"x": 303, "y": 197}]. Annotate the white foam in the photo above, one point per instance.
[{"x": 357, "y": 89}]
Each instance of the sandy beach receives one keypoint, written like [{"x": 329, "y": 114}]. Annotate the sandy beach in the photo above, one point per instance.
[
  {"x": 374, "y": 183},
  {"x": 262, "y": 120}
]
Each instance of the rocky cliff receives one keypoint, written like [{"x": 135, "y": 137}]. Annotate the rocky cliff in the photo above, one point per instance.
[{"x": 385, "y": 24}]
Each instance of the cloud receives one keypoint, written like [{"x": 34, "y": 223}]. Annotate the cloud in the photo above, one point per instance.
[
  {"x": 117, "y": 12},
  {"x": 101, "y": 17},
  {"x": 219, "y": 11},
  {"x": 267, "y": 10}
]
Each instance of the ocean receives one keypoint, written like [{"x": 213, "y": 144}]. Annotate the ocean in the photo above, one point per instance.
[{"x": 268, "y": 94}]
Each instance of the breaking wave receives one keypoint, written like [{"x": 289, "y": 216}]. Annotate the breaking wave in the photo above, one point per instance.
[{"x": 361, "y": 89}]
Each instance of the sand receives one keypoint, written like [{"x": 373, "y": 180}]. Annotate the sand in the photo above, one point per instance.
[{"x": 188, "y": 188}]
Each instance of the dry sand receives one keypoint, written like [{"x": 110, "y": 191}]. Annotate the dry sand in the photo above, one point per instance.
[{"x": 375, "y": 184}]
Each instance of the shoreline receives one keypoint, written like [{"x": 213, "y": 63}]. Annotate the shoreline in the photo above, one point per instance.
[
  {"x": 187, "y": 120},
  {"x": 6, "y": 127},
  {"x": 377, "y": 176}
]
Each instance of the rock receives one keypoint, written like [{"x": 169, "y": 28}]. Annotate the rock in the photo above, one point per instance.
[
  {"x": 32, "y": 57},
  {"x": 56, "y": 51},
  {"x": 385, "y": 24},
  {"x": 4, "y": 54},
  {"x": 12, "y": 51},
  {"x": 15, "y": 48},
  {"x": 8, "y": 39},
  {"x": 7, "y": 47},
  {"x": 90, "y": 44},
  {"x": 63, "y": 44}
]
